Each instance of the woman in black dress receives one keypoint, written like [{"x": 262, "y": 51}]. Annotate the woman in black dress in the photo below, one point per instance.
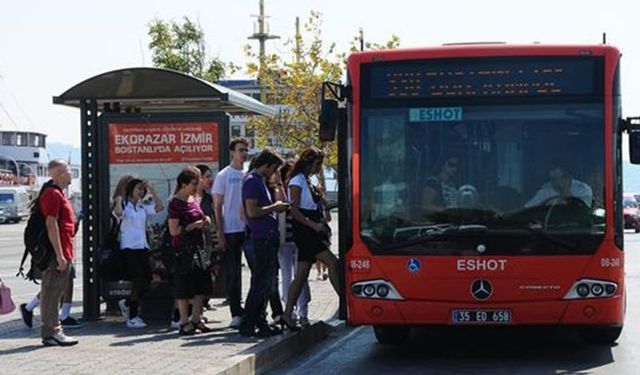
[{"x": 310, "y": 230}]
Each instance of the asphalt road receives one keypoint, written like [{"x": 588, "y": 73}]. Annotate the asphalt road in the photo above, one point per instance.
[
  {"x": 484, "y": 351},
  {"x": 11, "y": 250}
]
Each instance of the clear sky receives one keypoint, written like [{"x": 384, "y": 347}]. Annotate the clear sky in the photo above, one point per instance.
[{"x": 48, "y": 46}]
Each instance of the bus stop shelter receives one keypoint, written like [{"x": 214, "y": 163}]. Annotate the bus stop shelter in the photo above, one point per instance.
[{"x": 146, "y": 120}]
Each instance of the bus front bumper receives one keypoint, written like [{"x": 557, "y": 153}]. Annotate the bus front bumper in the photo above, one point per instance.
[{"x": 602, "y": 311}]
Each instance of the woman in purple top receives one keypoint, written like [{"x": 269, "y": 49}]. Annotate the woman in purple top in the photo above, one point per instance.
[{"x": 187, "y": 223}]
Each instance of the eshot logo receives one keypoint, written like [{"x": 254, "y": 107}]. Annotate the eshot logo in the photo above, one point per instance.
[{"x": 433, "y": 114}]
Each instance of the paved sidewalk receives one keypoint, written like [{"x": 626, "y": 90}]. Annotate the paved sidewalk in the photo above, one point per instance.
[{"x": 108, "y": 346}]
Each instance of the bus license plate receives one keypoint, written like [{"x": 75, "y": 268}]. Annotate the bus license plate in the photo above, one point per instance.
[{"x": 481, "y": 316}]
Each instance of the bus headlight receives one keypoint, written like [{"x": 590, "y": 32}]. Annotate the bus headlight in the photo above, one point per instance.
[
  {"x": 589, "y": 288},
  {"x": 597, "y": 290},
  {"x": 369, "y": 290},
  {"x": 378, "y": 289},
  {"x": 583, "y": 290},
  {"x": 382, "y": 290},
  {"x": 610, "y": 289}
]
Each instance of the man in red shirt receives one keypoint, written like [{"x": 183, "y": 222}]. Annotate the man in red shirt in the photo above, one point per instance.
[{"x": 60, "y": 227}]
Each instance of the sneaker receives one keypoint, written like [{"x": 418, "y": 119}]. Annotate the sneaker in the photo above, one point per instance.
[
  {"x": 235, "y": 322},
  {"x": 124, "y": 309},
  {"x": 70, "y": 323},
  {"x": 27, "y": 316},
  {"x": 175, "y": 324},
  {"x": 136, "y": 322},
  {"x": 59, "y": 339}
]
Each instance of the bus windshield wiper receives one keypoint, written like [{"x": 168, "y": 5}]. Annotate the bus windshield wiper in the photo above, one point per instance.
[
  {"x": 430, "y": 232},
  {"x": 541, "y": 233}
]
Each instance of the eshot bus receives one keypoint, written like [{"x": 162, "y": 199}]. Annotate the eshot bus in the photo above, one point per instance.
[{"x": 480, "y": 184}]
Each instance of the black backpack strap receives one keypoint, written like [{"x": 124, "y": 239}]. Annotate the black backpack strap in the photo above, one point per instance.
[
  {"x": 24, "y": 259},
  {"x": 35, "y": 206}
]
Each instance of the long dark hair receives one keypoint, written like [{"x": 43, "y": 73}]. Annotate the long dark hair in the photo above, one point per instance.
[
  {"x": 131, "y": 185},
  {"x": 304, "y": 163},
  {"x": 121, "y": 186},
  {"x": 203, "y": 168},
  {"x": 266, "y": 157},
  {"x": 186, "y": 177}
]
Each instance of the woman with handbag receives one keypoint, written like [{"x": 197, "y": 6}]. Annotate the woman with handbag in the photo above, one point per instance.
[
  {"x": 187, "y": 224},
  {"x": 311, "y": 233},
  {"x": 206, "y": 204},
  {"x": 288, "y": 252},
  {"x": 131, "y": 214}
]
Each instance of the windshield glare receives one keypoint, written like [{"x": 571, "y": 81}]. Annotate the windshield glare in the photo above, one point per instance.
[{"x": 515, "y": 171}]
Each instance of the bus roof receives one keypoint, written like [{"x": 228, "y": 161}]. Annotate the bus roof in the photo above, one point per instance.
[{"x": 483, "y": 49}]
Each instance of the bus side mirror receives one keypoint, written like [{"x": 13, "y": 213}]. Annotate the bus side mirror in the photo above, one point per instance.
[
  {"x": 634, "y": 147},
  {"x": 328, "y": 120}
]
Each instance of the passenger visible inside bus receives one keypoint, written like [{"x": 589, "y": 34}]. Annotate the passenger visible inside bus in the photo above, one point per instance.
[{"x": 440, "y": 190}]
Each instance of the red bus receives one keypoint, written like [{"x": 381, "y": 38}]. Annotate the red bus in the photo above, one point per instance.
[{"x": 480, "y": 184}]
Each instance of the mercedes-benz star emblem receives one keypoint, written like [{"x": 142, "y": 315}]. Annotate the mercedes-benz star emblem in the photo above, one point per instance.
[{"x": 481, "y": 290}]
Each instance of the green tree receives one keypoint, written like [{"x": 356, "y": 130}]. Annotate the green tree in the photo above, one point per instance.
[
  {"x": 181, "y": 46},
  {"x": 296, "y": 87}
]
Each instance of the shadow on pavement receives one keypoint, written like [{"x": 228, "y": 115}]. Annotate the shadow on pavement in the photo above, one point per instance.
[
  {"x": 545, "y": 350},
  {"x": 21, "y": 350}
]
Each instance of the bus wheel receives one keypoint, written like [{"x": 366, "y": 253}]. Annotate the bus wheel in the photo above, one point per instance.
[
  {"x": 601, "y": 335},
  {"x": 391, "y": 335}
]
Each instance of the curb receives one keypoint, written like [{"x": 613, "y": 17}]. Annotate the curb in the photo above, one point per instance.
[{"x": 268, "y": 355}]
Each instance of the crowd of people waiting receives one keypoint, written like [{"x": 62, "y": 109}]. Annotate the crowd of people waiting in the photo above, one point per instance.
[{"x": 272, "y": 213}]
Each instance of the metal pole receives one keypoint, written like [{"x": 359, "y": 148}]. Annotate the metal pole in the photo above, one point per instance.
[{"x": 90, "y": 208}]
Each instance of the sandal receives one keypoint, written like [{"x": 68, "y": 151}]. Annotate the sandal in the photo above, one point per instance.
[
  {"x": 187, "y": 329},
  {"x": 200, "y": 327}
]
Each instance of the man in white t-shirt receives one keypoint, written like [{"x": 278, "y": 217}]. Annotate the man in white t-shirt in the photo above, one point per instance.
[
  {"x": 562, "y": 184},
  {"x": 227, "y": 198}
]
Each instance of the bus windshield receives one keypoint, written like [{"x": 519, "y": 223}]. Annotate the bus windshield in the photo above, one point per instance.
[{"x": 501, "y": 178}]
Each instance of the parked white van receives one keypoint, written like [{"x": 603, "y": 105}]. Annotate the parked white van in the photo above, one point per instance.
[{"x": 15, "y": 202}]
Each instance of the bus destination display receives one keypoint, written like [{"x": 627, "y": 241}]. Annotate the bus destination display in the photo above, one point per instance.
[{"x": 482, "y": 78}]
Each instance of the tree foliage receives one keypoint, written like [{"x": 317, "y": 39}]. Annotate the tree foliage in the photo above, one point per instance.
[
  {"x": 181, "y": 46},
  {"x": 295, "y": 86}
]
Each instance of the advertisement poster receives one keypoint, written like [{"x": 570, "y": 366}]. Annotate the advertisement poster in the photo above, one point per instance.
[{"x": 157, "y": 152}]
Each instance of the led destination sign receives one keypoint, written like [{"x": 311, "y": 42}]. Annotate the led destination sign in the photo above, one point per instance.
[{"x": 485, "y": 78}]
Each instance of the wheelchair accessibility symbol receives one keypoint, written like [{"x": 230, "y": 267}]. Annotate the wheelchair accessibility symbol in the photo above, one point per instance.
[{"x": 413, "y": 265}]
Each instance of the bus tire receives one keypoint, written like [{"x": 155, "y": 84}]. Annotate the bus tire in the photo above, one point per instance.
[
  {"x": 601, "y": 335},
  {"x": 391, "y": 335}
]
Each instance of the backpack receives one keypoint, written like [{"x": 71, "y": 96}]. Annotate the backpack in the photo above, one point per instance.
[
  {"x": 36, "y": 239},
  {"x": 111, "y": 266}
]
